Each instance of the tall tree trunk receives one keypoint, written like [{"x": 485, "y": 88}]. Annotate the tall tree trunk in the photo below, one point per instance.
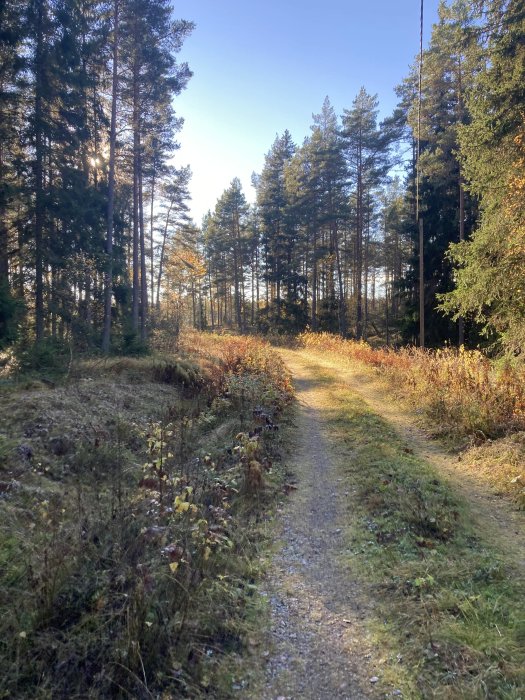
[
  {"x": 143, "y": 268},
  {"x": 212, "y": 314},
  {"x": 108, "y": 277},
  {"x": 151, "y": 236},
  {"x": 366, "y": 266},
  {"x": 252, "y": 314},
  {"x": 89, "y": 309},
  {"x": 387, "y": 320},
  {"x": 4, "y": 233},
  {"x": 461, "y": 320},
  {"x": 257, "y": 281},
  {"x": 238, "y": 276},
  {"x": 314, "y": 283},
  {"x": 461, "y": 119},
  {"x": 193, "y": 304},
  {"x": 136, "y": 226},
  {"x": 39, "y": 172},
  {"x": 359, "y": 254},
  {"x": 163, "y": 251},
  {"x": 342, "y": 301}
]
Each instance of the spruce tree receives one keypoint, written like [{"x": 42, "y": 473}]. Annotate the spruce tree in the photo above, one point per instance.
[
  {"x": 366, "y": 150},
  {"x": 490, "y": 269}
]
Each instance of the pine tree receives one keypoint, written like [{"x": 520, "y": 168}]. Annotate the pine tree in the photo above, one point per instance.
[
  {"x": 174, "y": 215},
  {"x": 276, "y": 225},
  {"x": 448, "y": 212},
  {"x": 366, "y": 148},
  {"x": 12, "y": 32},
  {"x": 152, "y": 77},
  {"x": 228, "y": 253},
  {"x": 108, "y": 279},
  {"x": 317, "y": 186}
]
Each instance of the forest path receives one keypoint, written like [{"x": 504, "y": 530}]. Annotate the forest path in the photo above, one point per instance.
[
  {"x": 320, "y": 648},
  {"x": 320, "y": 641}
]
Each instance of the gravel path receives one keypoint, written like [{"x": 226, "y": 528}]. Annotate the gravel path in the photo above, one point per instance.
[{"x": 320, "y": 649}]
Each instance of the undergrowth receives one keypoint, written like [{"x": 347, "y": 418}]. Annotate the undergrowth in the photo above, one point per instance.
[
  {"x": 129, "y": 548},
  {"x": 463, "y": 388},
  {"x": 449, "y": 609}
]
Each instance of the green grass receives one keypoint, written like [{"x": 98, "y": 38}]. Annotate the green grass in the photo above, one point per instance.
[{"x": 450, "y": 617}]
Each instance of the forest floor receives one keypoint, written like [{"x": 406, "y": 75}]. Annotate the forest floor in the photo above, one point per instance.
[{"x": 399, "y": 575}]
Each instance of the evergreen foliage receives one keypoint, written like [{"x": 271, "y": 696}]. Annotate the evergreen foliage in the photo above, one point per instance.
[
  {"x": 96, "y": 246},
  {"x": 489, "y": 278},
  {"x": 57, "y": 154}
]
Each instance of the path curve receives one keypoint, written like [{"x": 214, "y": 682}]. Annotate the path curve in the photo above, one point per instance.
[{"x": 500, "y": 522}]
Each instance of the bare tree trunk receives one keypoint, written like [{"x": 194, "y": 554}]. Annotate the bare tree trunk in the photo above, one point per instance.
[
  {"x": 212, "y": 314},
  {"x": 461, "y": 320},
  {"x": 342, "y": 301},
  {"x": 108, "y": 278},
  {"x": 359, "y": 255},
  {"x": 4, "y": 232},
  {"x": 252, "y": 315},
  {"x": 257, "y": 281},
  {"x": 193, "y": 307},
  {"x": 136, "y": 233},
  {"x": 366, "y": 266},
  {"x": 237, "y": 274},
  {"x": 314, "y": 284},
  {"x": 387, "y": 320},
  {"x": 89, "y": 310},
  {"x": 143, "y": 268},
  {"x": 151, "y": 236},
  {"x": 39, "y": 174},
  {"x": 163, "y": 251}
]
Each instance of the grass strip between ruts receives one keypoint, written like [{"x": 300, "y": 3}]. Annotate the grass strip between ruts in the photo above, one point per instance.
[{"x": 450, "y": 620}]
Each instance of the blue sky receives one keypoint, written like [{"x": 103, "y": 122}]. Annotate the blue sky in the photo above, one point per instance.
[{"x": 263, "y": 67}]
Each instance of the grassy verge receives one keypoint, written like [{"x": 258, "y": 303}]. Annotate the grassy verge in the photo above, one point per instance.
[
  {"x": 449, "y": 609},
  {"x": 134, "y": 505}
]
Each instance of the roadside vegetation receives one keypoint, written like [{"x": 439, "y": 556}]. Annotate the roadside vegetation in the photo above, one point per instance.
[
  {"x": 134, "y": 497},
  {"x": 476, "y": 403}
]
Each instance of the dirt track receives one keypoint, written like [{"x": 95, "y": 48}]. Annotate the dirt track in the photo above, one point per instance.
[{"x": 319, "y": 640}]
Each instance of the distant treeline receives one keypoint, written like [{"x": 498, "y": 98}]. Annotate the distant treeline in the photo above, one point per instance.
[
  {"x": 93, "y": 226},
  {"x": 332, "y": 240}
]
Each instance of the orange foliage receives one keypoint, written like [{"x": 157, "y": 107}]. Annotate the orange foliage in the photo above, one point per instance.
[{"x": 223, "y": 355}]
